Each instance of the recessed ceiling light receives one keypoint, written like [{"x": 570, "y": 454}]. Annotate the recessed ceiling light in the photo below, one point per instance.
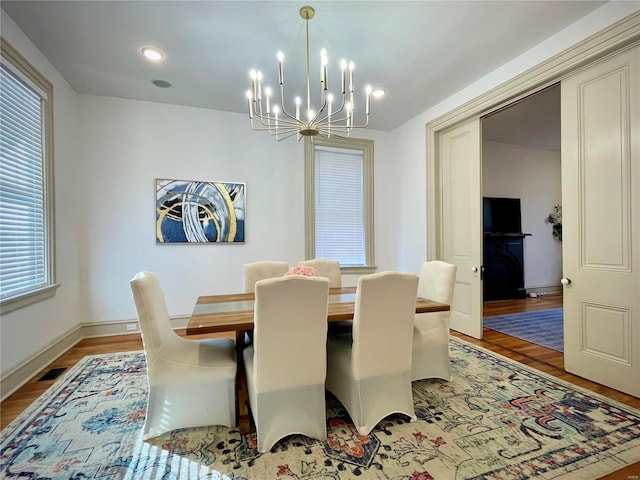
[
  {"x": 379, "y": 92},
  {"x": 161, "y": 83},
  {"x": 152, "y": 53}
]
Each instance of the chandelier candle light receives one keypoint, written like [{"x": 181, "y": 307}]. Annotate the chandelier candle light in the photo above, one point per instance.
[{"x": 326, "y": 121}]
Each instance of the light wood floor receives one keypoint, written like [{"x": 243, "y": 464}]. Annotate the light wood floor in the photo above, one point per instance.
[{"x": 535, "y": 356}]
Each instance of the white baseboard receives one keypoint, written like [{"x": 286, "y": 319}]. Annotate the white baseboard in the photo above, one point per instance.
[
  {"x": 544, "y": 289},
  {"x": 21, "y": 374},
  {"x": 120, "y": 327}
]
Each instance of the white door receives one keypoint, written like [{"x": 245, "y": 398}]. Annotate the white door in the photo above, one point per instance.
[
  {"x": 459, "y": 165},
  {"x": 601, "y": 222}
]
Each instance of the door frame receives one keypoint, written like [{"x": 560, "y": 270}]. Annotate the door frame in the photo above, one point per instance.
[{"x": 617, "y": 36}]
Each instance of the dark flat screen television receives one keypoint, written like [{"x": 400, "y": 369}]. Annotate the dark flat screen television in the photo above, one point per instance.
[{"x": 501, "y": 215}]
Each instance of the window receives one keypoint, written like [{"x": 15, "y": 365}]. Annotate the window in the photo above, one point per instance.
[
  {"x": 26, "y": 218},
  {"x": 339, "y": 201}
]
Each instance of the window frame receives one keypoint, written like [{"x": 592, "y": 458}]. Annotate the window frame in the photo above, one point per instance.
[
  {"x": 16, "y": 62},
  {"x": 366, "y": 147}
]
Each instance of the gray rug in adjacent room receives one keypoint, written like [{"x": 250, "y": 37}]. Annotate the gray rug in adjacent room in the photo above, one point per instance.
[{"x": 543, "y": 327}]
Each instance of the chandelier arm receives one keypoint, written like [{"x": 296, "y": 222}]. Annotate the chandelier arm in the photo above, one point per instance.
[
  {"x": 288, "y": 121},
  {"x": 288, "y": 135},
  {"x": 284, "y": 111},
  {"x": 257, "y": 112},
  {"x": 343, "y": 127},
  {"x": 362, "y": 125},
  {"x": 317, "y": 115},
  {"x": 279, "y": 126},
  {"x": 330, "y": 119},
  {"x": 276, "y": 128},
  {"x": 333, "y": 133},
  {"x": 272, "y": 131},
  {"x": 284, "y": 122},
  {"x": 333, "y": 114},
  {"x": 336, "y": 129},
  {"x": 344, "y": 98},
  {"x": 279, "y": 134},
  {"x": 366, "y": 124},
  {"x": 333, "y": 119},
  {"x": 289, "y": 118},
  {"x": 268, "y": 121}
]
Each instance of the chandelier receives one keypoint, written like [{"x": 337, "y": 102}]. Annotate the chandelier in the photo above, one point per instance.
[{"x": 332, "y": 118}]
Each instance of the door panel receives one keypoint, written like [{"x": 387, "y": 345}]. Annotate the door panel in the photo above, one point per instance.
[
  {"x": 459, "y": 163},
  {"x": 601, "y": 221}
]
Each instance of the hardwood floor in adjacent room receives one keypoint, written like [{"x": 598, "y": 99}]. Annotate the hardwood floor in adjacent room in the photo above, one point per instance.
[{"x": 535, "y": 356}]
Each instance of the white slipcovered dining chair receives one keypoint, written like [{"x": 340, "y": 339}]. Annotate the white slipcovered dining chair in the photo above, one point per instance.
[
  {"x": 256, "y": 271},
  {"x": 369, "y": 370},
  {"x": 431, "y": 330},
  {"x": 253, "y": 272},
  {"x": 286, "y": 365},
  {"x": 330, "y": 269},
  {"x": 326, "y": 268},
  {"x": 191, "y": 382}
]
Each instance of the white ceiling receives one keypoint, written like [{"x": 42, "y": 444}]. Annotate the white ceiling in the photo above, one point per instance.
[
  {"x": 533, "y": 122},
  {"x": 420, "y": 51}
]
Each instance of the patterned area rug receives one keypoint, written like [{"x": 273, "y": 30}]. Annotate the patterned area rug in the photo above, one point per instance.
[
  {"x": 495, "y": 419},
  {"x": 543, "y": 327}
]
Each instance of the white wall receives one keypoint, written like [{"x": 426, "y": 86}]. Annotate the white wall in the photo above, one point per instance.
[
  {"x": 127, "y": 144},
  {"x": 533, "y": 176},
  {"x": 409, "y": 179},
  {"x": 29, "y": 330},
  {"x": 409, "y": 138}
]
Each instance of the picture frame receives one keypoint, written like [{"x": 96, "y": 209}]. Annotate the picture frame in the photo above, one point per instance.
[{"x": 200, "y": 212}]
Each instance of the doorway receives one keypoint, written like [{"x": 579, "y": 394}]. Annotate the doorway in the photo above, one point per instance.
[
  {"x": 521, "y": 158},
  {"x": 599, "y": 284}
]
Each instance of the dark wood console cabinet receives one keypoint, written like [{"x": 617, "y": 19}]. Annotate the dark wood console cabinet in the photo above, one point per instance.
[{"x": 504, "y": 266}]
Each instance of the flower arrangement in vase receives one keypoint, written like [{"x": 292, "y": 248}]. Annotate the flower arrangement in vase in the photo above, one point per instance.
[{"x": 306, "y": 270}]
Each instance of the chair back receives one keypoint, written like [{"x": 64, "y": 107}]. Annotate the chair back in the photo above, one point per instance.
[
  {"x": 327, "y": 268},
  {"x": 153, "y": 316},
  {"x": 290, "y": 332},
  {"x": 383, "y": 323},
  {"x": 437, "y": 280},
  {"x": 253, "y": 272}
]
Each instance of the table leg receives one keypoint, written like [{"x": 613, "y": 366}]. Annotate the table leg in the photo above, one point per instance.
[{"x": 242, "y": 397}]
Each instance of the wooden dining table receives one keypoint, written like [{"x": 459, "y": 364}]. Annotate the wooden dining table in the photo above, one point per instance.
[{"x": 234, "y": 313}]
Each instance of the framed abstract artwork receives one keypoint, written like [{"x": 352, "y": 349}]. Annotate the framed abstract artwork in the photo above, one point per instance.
[{"x": 199, "y": 212}]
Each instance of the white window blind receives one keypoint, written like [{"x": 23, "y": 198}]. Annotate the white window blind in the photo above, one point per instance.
[
  {"x": 23, "y": 237},
  {"x": 339, "y": 206}
]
